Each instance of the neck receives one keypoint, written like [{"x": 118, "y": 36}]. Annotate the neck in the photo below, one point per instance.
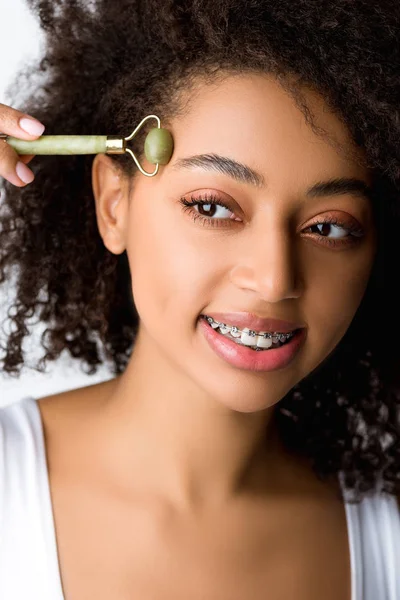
[{"x": 182, "y": 443}]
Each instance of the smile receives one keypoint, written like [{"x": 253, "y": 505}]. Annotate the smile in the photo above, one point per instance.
[{"x": 257, "y": 340}]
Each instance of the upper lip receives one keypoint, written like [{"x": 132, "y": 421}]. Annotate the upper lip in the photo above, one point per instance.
[{"x": 253, "y": 322}]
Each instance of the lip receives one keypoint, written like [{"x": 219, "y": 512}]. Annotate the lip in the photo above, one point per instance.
[
  {"x": 243, "y": 357},
  {"x": 253, "y": 322}
]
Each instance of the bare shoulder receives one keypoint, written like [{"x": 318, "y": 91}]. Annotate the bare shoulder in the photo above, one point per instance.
[
  {"x": 70, "y": 429},
  {"x": 60, "y": 409}
]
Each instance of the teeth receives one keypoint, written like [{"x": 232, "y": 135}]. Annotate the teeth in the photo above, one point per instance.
[
  {"x": 214, "y": 324},
  {"x": 263, "y": 342},
  {"x": 224, "y": 328},
  {"x": 248, "y": 337},
  {"x": 235, "y": 332}
]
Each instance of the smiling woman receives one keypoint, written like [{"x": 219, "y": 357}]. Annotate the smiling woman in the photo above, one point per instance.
[{"x": 249, "y": 439}]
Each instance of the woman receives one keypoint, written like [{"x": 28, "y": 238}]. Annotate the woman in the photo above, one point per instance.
[{"x": 206, "y": 468}]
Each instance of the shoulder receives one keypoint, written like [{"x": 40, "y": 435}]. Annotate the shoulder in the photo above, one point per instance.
[
  {"x": 22, "y": 419},
  {"x": 67, "y": 417},
  {"x": 62, "y": 408}
]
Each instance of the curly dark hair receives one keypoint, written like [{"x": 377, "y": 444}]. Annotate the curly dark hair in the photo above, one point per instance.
[{"x": 105, "y": 66}]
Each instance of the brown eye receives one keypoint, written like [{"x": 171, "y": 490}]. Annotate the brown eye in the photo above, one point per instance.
[
  {"x": 210, "y": 208},
  {"x": 335, "y": 232}
]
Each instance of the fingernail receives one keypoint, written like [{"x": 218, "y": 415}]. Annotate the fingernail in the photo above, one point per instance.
[
  {"x": 31, "y": 126},
  {"x": 24, "y": 173}
]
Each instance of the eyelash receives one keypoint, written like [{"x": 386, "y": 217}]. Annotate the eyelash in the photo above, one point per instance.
[{"x": 356, "y": 232}]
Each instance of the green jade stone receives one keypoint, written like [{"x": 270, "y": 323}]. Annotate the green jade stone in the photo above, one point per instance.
[
  {"x": 158, "y": 146},
  {"x": 60, "y": 144}
]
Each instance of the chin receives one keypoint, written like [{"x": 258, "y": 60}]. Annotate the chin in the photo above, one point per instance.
[{"x": 243, "y": 396}]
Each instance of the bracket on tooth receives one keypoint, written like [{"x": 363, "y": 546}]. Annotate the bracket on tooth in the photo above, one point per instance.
[{"x": 236, "y": 332}]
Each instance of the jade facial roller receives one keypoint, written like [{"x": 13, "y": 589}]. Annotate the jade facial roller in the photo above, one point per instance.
[{"x": 158, "y": 146}]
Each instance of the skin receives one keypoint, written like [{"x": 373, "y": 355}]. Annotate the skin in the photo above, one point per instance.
[
  {"x": 196, "y": 394},
  {"x": 183, "y": 443}
]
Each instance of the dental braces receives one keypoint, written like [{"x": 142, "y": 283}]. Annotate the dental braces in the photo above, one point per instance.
[{"x": 281, "y": 337}]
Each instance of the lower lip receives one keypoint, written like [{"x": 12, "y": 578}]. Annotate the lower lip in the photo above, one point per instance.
[{"x": 245, "y": 358}]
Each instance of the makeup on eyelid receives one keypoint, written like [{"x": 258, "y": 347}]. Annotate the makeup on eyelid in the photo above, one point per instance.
[{"x": 354, "y": 230}]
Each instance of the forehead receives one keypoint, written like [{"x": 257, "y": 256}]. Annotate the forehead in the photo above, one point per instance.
[{"x": 253, "y": 119}]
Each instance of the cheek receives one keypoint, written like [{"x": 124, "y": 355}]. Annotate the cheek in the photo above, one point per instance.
[
  {"x": 335, "y": 296},
  {"x": 170, "y": 266}
]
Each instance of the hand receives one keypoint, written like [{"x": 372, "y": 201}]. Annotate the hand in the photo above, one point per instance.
[{"x": 16, "y": 124}]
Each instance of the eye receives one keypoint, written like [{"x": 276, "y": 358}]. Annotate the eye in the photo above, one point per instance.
[
  {"x": 348, "y": 232},
  {"x": 211, "y": 210},
  {"x": 208, "y": 207},
  {"x": 326, "y": 227}
]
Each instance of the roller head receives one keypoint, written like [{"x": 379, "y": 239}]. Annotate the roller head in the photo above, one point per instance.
[{"x": 159, "y": 146}]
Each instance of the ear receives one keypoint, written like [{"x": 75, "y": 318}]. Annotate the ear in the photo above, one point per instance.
[{"x": 110, "y": 190}]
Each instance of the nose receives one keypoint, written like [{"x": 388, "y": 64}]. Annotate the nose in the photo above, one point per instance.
[{"x": 268, "y": 264}]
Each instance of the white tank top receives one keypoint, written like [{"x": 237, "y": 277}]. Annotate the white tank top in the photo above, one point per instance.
[{"x": 29, "y": 566}]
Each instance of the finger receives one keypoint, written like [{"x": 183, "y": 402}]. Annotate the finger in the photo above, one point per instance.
[
  {"x": 12, "y": 168},
  {"x": 26, "y": 158},
  {"x": 17, "y": 124}
]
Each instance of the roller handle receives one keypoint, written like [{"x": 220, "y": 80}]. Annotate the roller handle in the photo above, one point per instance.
[{"x": 60, "y": 144}]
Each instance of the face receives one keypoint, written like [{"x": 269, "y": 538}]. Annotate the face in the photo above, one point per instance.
[{"x": 271, "y": 248}]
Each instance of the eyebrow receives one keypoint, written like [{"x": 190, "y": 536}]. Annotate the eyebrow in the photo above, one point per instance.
[{"x": 240, "y": 172}]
